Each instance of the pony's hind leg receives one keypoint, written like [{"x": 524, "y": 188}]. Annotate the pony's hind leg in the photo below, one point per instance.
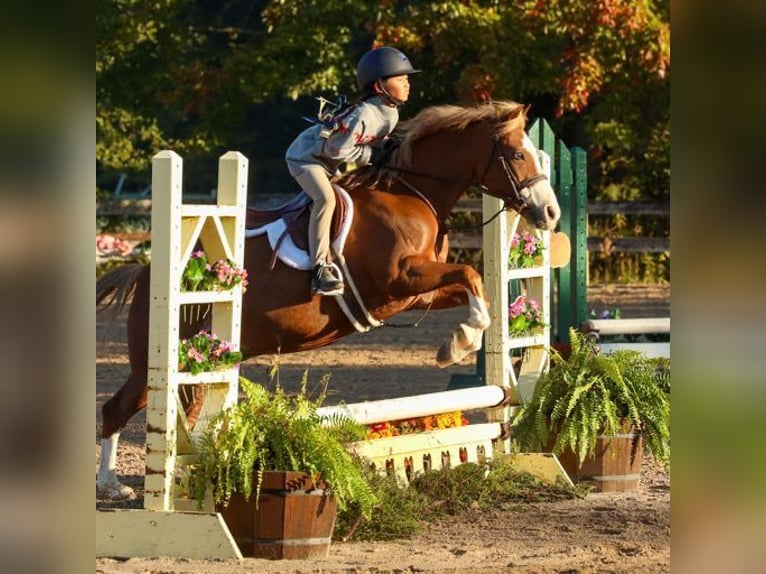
[{"x": 115, "y": 414}]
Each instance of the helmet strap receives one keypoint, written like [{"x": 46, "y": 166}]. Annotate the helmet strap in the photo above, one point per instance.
[{"x": 386, "y": 96}]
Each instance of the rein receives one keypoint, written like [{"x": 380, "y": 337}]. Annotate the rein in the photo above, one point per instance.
[{"x": 520, "y": 188}]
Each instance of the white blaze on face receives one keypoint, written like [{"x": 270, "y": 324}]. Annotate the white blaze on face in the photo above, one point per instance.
[
  {"x": 541, "y": 193},
  {"x": 530, "y": 147}
]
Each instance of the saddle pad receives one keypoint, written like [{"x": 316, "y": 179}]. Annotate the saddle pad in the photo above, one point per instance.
[{"x": 289, "y": 253}]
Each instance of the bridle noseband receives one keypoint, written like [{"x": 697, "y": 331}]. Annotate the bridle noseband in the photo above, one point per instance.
[{"x": 520, "y": 188}]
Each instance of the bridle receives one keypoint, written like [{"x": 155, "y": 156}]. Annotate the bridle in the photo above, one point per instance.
[{"x": 520, "y": 188}]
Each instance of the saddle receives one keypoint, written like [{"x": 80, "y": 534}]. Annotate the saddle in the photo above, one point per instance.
[
  {"x": 295, "y": 214},
  {"x": 291, "y": 220}
]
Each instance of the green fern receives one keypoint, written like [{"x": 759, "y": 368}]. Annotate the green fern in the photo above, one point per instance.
[
  {"x": 269, "y": 430},
  {"x": 591, "y": 394}
]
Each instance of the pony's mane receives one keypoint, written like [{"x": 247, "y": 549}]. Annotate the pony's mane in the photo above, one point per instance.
[{"x": 506, "y": 115}]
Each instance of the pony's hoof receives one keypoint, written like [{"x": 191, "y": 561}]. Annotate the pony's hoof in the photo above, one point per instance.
[
  {"x": 473, "y": 347},
  {"x": 467, "y": 340},
  {"x": 457, "y": 348},
  {"x": 115, "y": 492},
  {"x": 444, "y": 357}
]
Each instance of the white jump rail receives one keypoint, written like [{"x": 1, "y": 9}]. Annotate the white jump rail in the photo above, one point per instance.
[
  {"x": 637, "y": 326},
  {"x": 408, "y": 454},
  {"x": 608, "y": 327},
  {"x": 419, "y": 405}
]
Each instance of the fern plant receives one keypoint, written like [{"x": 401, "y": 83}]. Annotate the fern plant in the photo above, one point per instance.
[
  {"x": 270, "y": 430},
  {"x": 590, "y": 394}
]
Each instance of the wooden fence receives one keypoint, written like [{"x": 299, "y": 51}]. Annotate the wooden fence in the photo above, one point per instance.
[{"x": 470, "y": 239}]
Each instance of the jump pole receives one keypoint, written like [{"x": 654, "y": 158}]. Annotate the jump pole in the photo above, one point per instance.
[
  {"x": 166, "y": 526},
  {"x": 407, "y": 454},
  {"x": 640, "y": 326}
]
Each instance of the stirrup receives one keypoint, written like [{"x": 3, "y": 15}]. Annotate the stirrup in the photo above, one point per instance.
[
  {"x": 336, "y": 272},
  {"x": 333, "y": 284}
]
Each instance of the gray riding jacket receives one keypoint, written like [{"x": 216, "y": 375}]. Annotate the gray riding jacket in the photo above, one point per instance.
[{"x": 360, "y": 128}]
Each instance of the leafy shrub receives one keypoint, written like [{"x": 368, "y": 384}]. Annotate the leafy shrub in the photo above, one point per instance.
[
  {"x": 591, "y": 394},
  {"x": 273, "y": 431}
]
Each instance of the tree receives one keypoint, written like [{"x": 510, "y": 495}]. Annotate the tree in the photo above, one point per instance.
[{"x": 202, "y": 76}]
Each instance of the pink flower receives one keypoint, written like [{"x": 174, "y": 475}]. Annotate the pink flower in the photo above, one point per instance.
[
  {"x": 223, "y": 270},
  {"x": 226, "y": 346},
  {"x": 514, "y": 240},
  {"x": 518, "y": 306},
  {"x": 195, "y": 355},
  {"x": 110, "y": 245}
]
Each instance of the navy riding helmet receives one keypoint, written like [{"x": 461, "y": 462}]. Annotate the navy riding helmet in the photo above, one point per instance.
[{"x": 382, "y": 63}]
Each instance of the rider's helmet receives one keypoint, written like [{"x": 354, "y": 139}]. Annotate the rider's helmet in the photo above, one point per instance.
[{"x": 382, "y": 63}]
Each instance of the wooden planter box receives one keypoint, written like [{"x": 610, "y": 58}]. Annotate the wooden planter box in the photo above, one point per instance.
[
  {"x": 295, "y": 518},
  {"x": 610, "y": 469}
]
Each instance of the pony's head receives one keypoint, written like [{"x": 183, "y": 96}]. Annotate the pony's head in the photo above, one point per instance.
[
  {"x": 503, "y": 160},
  {"x": 514, "y": 171},
  {"x": 485, "y": 146}
]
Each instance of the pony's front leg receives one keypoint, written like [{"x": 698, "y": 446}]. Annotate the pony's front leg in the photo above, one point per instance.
[
  {"x": 467, "y": 337},
  {"x": 445, "y": 298},
  {"x": 419, "y": 276}
]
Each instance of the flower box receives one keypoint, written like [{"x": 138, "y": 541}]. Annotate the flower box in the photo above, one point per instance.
[
  {"x": 525, "y": 317},
  {"x": 201, "y": 275},
  {"x": 526, "y": 250},
  {"x": 204, "y": 352}
]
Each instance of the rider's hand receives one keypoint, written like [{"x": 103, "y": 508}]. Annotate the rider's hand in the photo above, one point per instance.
[{"x": 381, "y": 155}]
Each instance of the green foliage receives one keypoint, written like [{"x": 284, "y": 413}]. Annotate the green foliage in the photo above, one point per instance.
[
  {"x": 437, "y": 494},
  {"x": 591, "y": 394},
  {"x": 202, "y": 78},
  {"x": 205, "y": 352},
  {"x": 612, "y": 266},
  {"x": 273, "y": 431},
  {"x": 629, "y": 268},
  {"x": 222, "y": 275},
  {"x": 399, "y": 514}
]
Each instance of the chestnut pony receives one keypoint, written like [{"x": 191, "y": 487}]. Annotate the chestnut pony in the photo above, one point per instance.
[{"x": 395, "y": 252}]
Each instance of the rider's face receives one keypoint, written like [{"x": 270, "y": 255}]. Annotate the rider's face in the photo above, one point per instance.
[{"x": 398, "y": 87}]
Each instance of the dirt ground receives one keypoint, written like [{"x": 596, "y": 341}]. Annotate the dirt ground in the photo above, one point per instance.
[{"x": 604, "y": 533}]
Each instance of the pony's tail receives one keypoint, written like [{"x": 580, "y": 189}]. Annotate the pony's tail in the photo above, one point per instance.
[{"x": 115, "y": 289}]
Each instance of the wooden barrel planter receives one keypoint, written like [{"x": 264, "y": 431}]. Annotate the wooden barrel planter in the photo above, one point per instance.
[
  {"x": 295, "y": 518},
  {"x": 613, "y": 466}
]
